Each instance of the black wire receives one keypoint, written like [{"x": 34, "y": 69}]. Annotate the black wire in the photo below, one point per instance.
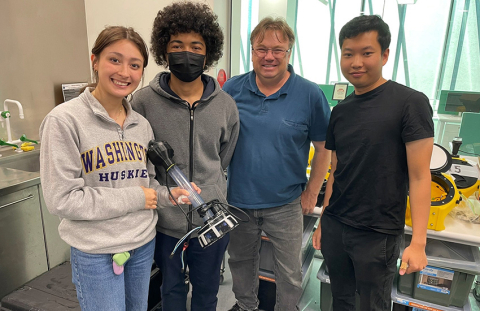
[
  {"x": 186, "y": 217},
  {"x": 236, "y": 208},
  {"x": 176, "y": 203},
  {"x": 194, "y": 209},
  {"x": 220, "y": 204}
]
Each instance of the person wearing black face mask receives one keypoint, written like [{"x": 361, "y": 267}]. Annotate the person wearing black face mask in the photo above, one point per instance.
[
  {"x": 189, "y": 110},
  {"x": 186, "y": 66}
]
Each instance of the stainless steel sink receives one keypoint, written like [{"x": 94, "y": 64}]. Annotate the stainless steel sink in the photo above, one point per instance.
[{"x": 24, "y": 161}]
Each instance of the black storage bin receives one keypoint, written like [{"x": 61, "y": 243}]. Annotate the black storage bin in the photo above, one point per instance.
[{"x": 449, "y": 276}]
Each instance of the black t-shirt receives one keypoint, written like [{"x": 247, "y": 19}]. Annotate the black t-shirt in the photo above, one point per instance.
[{"x": 368, "y": 133}]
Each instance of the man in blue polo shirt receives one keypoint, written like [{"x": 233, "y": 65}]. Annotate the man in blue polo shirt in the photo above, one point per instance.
[{"x": 280, "y": 115}]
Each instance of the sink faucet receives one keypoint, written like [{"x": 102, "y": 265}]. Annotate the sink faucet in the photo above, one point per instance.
[{"x": 6, "y": 115}]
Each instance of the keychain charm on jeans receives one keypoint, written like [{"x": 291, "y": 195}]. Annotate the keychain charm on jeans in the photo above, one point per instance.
[{"x": 119, "y": 261}]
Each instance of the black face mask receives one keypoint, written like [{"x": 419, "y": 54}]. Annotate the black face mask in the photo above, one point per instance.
[{"x": 186, "y": 66}]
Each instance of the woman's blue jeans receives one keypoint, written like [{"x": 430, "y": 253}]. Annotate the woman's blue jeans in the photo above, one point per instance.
[{"x": 98, "y": 288}]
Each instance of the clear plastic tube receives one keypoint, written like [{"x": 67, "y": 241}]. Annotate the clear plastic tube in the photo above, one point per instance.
[{"x": 183, "y": 183}]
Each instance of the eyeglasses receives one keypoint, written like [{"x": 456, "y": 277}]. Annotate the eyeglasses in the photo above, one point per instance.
[{"x": 277, "y": 53}]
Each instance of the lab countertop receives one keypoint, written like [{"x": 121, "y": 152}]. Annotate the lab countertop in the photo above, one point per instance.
[
  {"x": 456, "y": 231},
  {"x": 13, "y": 180}
]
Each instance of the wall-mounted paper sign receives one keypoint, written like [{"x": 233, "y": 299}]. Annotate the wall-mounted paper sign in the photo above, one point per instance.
[
  {"x": 72, "y": 90},
  {"x": 340, "y": 91}
]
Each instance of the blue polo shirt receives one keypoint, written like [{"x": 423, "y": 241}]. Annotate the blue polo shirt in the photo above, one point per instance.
[{"x": 268, "y": 168}]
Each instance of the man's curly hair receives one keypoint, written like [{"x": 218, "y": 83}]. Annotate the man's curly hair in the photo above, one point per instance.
[{"x": 185, "y": 17}]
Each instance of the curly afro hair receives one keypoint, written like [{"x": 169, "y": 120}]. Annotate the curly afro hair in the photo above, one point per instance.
[{"x": 185, "y": 17}]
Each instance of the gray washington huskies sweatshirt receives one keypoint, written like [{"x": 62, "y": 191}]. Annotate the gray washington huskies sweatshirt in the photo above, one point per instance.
[{"x": 91, "y": 172}]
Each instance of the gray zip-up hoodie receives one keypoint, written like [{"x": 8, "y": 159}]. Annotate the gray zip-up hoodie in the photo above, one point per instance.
[
  {"x": 91, "y": 171},
  {"x": 203, "y": 139}
]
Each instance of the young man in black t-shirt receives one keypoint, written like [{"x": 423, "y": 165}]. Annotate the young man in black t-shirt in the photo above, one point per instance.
[{"x": 381, "y": 138}]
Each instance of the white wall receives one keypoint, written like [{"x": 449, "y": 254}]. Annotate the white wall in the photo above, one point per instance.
[
  {"x": 222, "y": 9},
  {"x": 42, "y": 45},
  {"x": 138, "y": 14}
]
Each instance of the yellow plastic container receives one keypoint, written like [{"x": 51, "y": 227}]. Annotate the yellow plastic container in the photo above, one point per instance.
[{"x": 445, "y": 196}]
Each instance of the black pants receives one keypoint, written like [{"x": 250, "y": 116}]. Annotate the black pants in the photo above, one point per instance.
[{"x": 359, "y": 260}]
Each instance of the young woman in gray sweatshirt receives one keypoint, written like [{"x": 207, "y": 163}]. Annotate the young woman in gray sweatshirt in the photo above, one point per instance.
[{"x": 96, "y": 178}]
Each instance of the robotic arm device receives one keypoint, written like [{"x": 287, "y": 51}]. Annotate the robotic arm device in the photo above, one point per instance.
[{"x": 217, "y": 219}]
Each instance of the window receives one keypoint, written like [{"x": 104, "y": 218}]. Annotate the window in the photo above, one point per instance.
[{"x": 435, "y": 43}]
